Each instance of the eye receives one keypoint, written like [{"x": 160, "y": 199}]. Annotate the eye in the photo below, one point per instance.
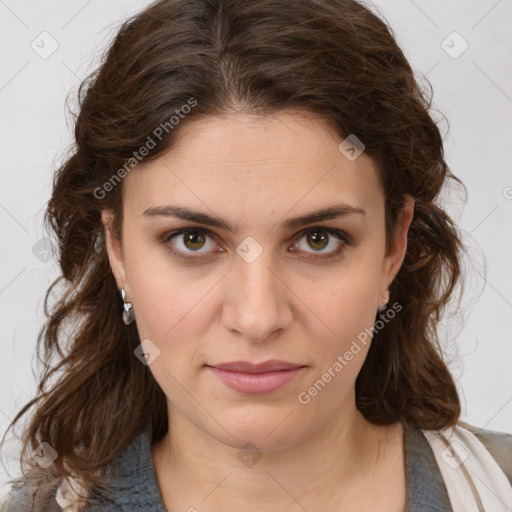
[
  {"x": 190, "y": 240},
  {"x": 326, "y": 242}
]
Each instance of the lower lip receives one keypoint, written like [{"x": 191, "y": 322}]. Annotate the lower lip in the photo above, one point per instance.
[{"x": 255, "y": 383}]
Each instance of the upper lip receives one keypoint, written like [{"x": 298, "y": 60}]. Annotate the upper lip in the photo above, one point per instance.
[{"x": 265, "y": 366}]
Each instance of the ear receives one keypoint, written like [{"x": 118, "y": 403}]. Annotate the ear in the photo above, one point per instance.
[
  {"x": 395, "y": 254},
  {"x": 115, "y": 253}
]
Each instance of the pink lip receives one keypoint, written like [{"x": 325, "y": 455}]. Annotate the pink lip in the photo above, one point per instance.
[{"x": 257, "y": 378}]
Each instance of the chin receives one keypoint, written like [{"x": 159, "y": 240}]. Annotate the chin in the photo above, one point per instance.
[
  {"x": 266, "y": 432},
  {"x": 258, "y": 441}
]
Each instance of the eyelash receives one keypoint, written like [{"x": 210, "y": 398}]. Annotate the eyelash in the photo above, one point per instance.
[{"x": 344, "y": 238}]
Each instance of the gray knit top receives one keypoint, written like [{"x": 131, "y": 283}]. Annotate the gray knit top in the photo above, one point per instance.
[{"x": 134, "y": 486}]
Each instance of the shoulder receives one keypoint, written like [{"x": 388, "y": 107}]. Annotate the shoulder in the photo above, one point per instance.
[
  {"x": 498, "y": 444},
  {"x": 131, "y": 486},
  {"x": 30, "y": 493},
  {"x": 33, "y": 492}
]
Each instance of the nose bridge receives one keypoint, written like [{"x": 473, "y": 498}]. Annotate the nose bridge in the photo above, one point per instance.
[
  {"x": 258, "y": 280},
  {"x": 258, "y": 302}
]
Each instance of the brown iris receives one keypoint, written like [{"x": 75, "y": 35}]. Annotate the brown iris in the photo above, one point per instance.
[
  {"x": 195, "y": 239},
  {"x": 318, "y": 239}
]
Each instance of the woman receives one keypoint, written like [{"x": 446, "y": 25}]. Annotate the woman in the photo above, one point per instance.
[{"x": 257, "y": 181}]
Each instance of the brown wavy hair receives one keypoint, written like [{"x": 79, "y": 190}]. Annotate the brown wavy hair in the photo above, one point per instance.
[{"x": 334, "y": 58}]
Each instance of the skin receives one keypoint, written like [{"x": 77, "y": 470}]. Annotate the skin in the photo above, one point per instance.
[{"x": 256, "y": 172}]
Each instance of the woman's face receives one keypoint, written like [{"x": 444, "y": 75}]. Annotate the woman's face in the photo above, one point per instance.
[{"x": 251, "y": 280}]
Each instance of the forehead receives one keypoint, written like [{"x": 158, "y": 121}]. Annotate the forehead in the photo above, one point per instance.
[{"x": 244, "y": 164}]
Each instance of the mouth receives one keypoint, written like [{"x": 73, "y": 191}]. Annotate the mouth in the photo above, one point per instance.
[
  {"x": 256, "y": 378},
  {"x": 262, "y": 367}
]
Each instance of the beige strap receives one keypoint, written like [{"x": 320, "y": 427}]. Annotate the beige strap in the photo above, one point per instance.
[
  {"x": 474, "y": 480},
  {"x": 68, "y": 495}
]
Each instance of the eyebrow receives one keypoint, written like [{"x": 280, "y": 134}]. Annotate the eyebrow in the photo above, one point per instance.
[{"x": 182, "y": 212}]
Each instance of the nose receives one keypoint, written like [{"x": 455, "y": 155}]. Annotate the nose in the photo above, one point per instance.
[{"x": 259, "y": 301}]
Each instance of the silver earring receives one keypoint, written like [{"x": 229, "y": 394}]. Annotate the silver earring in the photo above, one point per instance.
[
  {"x": 383, "y": 307},
  {"x": 128, "y": 314}
]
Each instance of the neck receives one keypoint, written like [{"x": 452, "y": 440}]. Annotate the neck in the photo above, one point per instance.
[{"x": 196, "y": 470}]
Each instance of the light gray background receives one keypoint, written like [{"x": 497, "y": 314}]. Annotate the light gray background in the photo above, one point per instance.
[{"x": 474, "y": 91}]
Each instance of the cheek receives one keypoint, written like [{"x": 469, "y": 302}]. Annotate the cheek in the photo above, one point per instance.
[
  {"x": 347, "y": 314},
  {"x": 174, "y": 310},
  {"x": 345, "y": 303},
  {"x": 169, "y": 313},
  {"x": 162, "y": 293}
]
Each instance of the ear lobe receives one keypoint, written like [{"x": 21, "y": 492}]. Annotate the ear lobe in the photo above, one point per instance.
[{"x": 114, "y": 251}]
